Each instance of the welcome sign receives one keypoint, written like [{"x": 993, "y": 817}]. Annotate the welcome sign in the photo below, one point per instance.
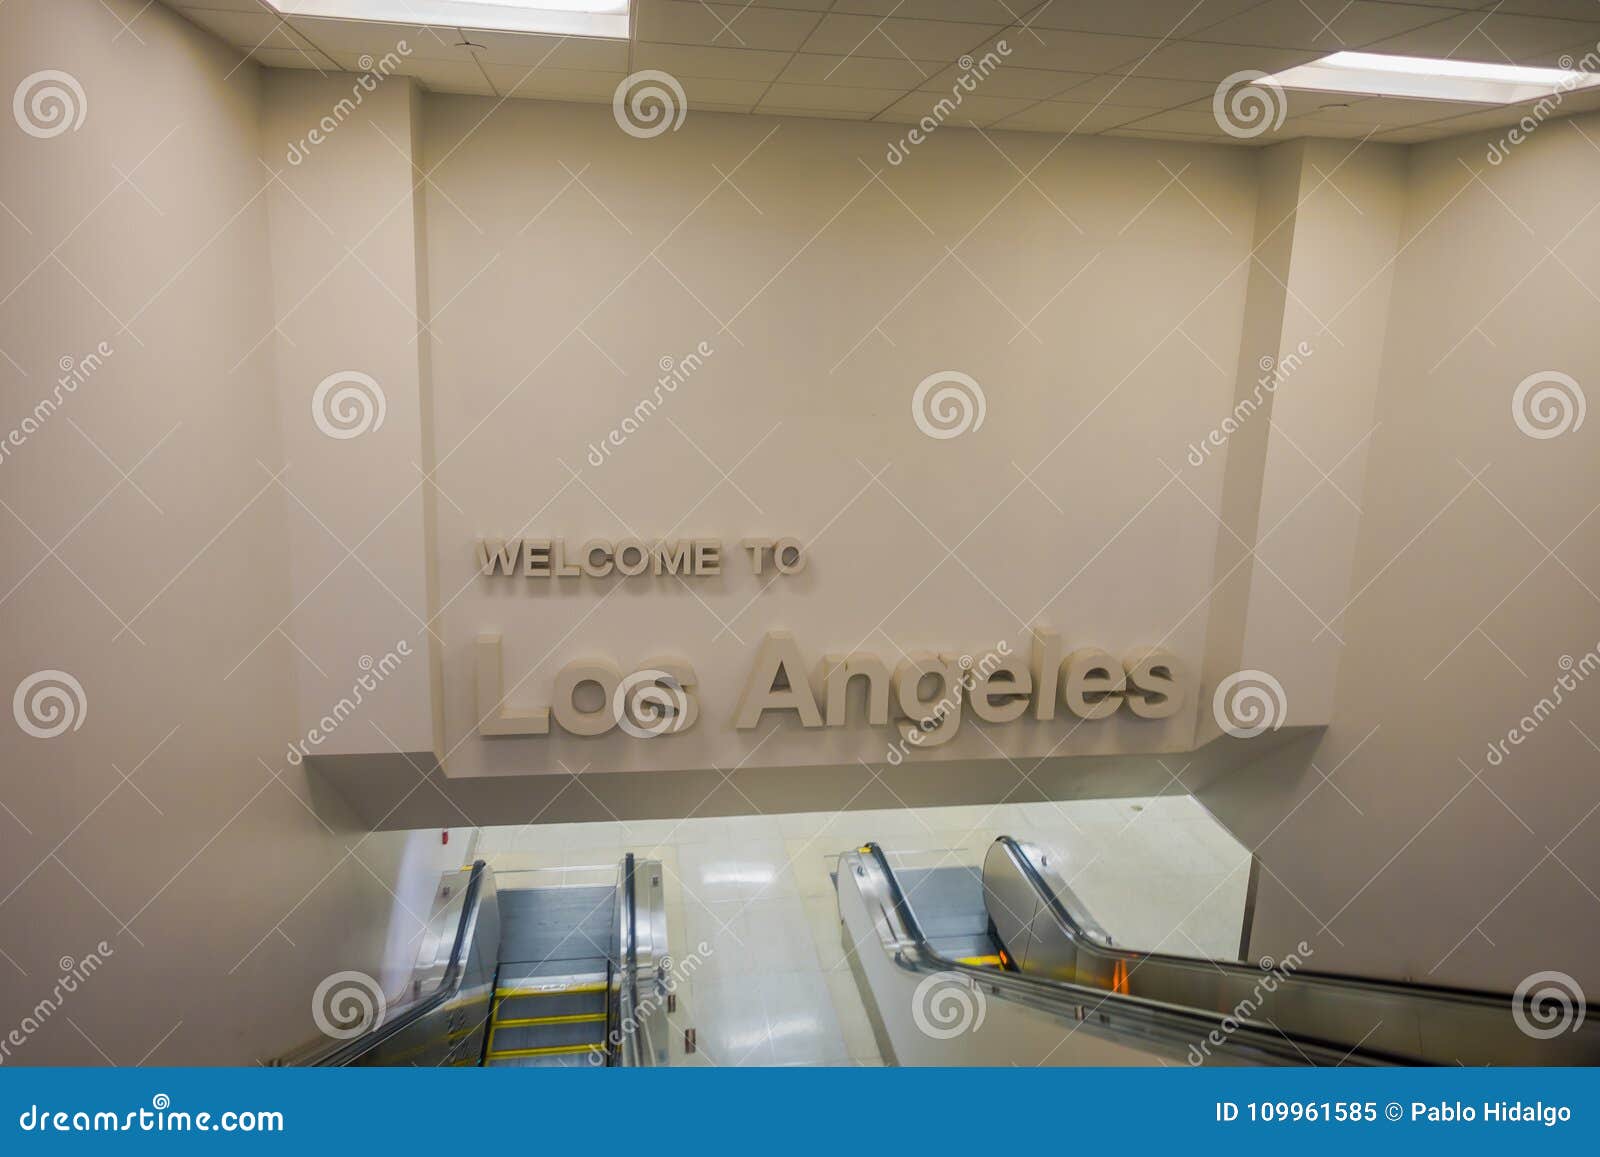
[{"x": 934, "y": 690}]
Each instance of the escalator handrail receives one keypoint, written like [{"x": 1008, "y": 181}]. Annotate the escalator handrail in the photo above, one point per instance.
[
  {"x": 1177, "y": 1022},
  {"x": 628, "y": 983},
  {"x": 1133, "y": 957},
  {"x": 339, "y": 1053}
]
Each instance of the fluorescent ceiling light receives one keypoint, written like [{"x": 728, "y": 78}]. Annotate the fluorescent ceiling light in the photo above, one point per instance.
[
  {"x": 607, "y": 18},
  {"x": 1425, "y": 78}
]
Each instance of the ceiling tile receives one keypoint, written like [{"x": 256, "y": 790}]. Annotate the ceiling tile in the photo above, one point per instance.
[
  {"x": 1199, "y": 122},
  {"x": 722, "y": 25},
  {"x": 1057, "y": 116},
  {"x": 352, "y": 38},
  {"x": 1207, "y": 139},
  {"x": 683, "y": 60},
  {"x": 913, "y": 39},
  {"x": 859, "y": 71},
  {"x": 1157, "y": 18},
  {"x": 814, "y": 113},
  {"x": 1494, "y": 38},
  {"x": 996, "y": 12},
  {"x": 1140, "y": 91},
  {"x": 573, "y": 52},
  {"x": 1391, "y": 112},
  {"x": 1069, "y": 51},
  {"x": 1032, "y": 83},
  {"x": 973, "y": 110},
  {"x": 1326, "y": 25},
  {"x": 819, "y": 97},
  {"x": 1189, "y": 60},
  {"x": 710, "y": 90}
]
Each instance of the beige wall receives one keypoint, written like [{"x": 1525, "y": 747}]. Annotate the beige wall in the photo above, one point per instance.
[
  {"x": 1419, "y": 856},
  {"x": 223, "y": 888}
]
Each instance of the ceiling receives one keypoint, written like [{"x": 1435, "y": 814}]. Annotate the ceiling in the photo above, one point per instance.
[{"x": 1134, "y": 68}]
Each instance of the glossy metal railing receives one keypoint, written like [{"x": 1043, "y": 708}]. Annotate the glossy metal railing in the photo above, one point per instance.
[
  {"x": 1049, "y": 934},
  {"x": 641, "y": 983},
  {"x": 930, "y": 1009},
  {"x": 444, "y": 1023}
]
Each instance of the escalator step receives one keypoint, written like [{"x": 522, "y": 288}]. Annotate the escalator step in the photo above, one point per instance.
[
  {"x": 548, "y": 1061},
  {"x": 561, "y": 1034}
]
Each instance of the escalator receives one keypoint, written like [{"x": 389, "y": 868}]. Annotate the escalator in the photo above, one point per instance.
[
  {"x": 1003, "y": 965},
  {"x": 528, "y": 970}
]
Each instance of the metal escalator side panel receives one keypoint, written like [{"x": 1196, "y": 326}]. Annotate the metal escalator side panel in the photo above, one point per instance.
[{"x": 1397, "y": 1021}]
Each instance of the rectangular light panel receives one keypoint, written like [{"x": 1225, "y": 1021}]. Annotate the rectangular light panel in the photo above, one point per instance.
[{"x": 1424, "y": 78}]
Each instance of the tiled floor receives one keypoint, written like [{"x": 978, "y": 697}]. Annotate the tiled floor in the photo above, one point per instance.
[{"x": 773, "y": 987}]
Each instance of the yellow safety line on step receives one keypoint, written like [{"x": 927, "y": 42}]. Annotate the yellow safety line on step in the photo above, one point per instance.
[
  {"x": 549, "y": 1051},
  {"x": 602, "y": 987},
  {"x": 570, "y": 1018},
  {"x": 991, "y": 961}
]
